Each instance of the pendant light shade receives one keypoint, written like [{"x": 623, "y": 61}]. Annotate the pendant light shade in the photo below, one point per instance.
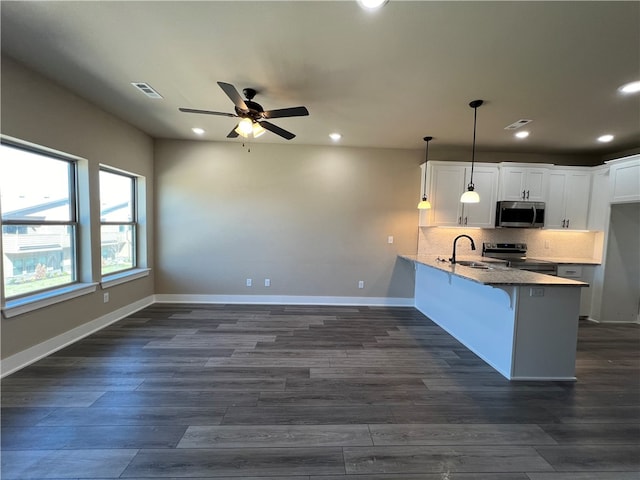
[
  {"x": 424, "y": 203},
  {"x": 471, "y": 196}
]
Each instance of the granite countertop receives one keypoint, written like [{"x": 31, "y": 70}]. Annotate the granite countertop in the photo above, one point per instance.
[
  {"x": 498, "y": 274},
  {"x": 569, "y": 260}
]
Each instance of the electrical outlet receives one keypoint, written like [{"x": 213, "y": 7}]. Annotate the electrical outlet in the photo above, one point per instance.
[
  {"x": 390, "y": 239},
  {"x": 536, "y": 292},
  {"x": 267, "y": 282},
  {"x": 249, "y": 282},
  {"x": 105, "y": 297},
  {"x": 361, "y": 284}
]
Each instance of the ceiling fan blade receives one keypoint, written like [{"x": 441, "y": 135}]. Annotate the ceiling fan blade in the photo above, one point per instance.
[
  {"x": 277, "y": 130},
  {"x": 233, "y": 133},
  {"x": 207, "y": 112},
  {"x": 233, "y": 94},
  {"x": 287, "y": 112}
]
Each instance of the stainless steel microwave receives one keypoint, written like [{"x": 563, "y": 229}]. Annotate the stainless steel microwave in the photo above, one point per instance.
[{"x": 520, "y": 214}]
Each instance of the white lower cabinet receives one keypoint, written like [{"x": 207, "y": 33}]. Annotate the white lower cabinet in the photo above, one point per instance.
[
  {"x": 584, "y": 273},
  {"x": 447, "y": 181}
]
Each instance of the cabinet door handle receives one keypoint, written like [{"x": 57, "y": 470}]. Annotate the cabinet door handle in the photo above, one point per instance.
[
  {"x": 465, "y": 220},
  {"x": 563, "y": 223},
  {"x": 523, "y": 192},
  {"x": 527, "y": 194},
  {"x": 567, "y": 223},
  {"x": 459, "y": 220}
]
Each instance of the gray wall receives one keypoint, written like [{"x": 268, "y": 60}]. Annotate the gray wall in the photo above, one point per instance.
[
  {"x": 38, "y": 111},
  {"x": 314, "y": 220},
  {"x": 621, "y": 291},
  {"x": 444, "y": 153}
]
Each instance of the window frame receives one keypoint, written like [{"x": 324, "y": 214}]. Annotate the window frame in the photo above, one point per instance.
[
  {"x": 73, "y": 223},
  {"x": 134, "y": 224}
]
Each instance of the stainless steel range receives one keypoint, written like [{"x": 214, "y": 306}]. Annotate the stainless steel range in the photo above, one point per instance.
[{"x": 515, "y": 254}]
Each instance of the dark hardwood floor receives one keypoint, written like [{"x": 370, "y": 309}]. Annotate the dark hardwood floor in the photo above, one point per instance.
[{"x": 315, "y": 393}]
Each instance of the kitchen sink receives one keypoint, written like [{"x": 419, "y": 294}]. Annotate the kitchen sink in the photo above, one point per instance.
[{"x": 471, "y": 264}]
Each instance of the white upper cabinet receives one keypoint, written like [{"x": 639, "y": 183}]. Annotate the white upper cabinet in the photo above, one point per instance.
[
  {"x": 485, "y": 179},
  {"x": 446, "y": 184},
  {"x": 625, "y": 179},
  {"x": 518, "y": 182},
  {"x": 599, "y": 199},
  {"x": 447, "y": 181},
  {"x": 567, "y": 205}
]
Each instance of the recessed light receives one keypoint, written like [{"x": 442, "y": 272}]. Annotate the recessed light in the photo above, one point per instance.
[
  {"x": 633, "y": 87},
  {"x": 335, "y": 136},
  {"x": 522, "y": 134},
  {"x": 371, "y": 4},
  {"x": 197, "y": 131},
  {"x": 605, "y": 138}
]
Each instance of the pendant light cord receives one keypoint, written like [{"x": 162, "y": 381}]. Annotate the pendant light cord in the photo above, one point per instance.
[
  {"x": 474, "y": 104},
  {"x": 473, "y": 149},
  {"x": 424, "y": 186}
]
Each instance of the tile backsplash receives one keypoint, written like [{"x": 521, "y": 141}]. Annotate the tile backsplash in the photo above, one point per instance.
[{"x": 540, "y": 243}]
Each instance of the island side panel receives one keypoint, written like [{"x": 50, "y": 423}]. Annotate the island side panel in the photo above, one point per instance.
[
  {"x": 479, "y": 316},
  {"x": 546, "y": 333}
]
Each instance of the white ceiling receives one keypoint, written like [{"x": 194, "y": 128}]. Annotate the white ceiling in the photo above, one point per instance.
[{"x": 383, "y": 79}]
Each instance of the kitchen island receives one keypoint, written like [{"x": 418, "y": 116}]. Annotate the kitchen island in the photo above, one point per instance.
[{"x": 523, "y": 324}]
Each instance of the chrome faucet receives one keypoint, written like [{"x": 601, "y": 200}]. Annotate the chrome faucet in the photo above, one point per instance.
[{"x": 453, "y": 256}]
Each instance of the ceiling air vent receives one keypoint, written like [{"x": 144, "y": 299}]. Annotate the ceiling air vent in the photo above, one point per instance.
[
  {"x": 518, "y": 124},
  {"x": 146, "y": 89}
]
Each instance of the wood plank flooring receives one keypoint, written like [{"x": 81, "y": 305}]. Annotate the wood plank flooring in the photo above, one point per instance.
[{"x": 314, "y": 393}]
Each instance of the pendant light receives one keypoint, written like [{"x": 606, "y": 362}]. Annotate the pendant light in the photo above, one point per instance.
[
  {"x": 425, "y": 204},
  {"x": 471, "y": 196}
]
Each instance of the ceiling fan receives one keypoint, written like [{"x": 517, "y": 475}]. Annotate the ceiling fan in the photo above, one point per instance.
[{"x": 253, "y": 116}]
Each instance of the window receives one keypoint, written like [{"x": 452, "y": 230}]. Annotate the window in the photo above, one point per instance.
[
  {"x": 118, "y": 227},
  {"x": 38, "y": 206}
]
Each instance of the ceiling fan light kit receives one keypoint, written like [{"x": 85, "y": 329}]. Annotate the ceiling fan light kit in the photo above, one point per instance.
[
  {"x": 253, "y": 117},
  {"x": 245, "y": 127},
  {"x": 424, "y": 203},
  {"x": 257, "y": 130},
  {"x": 471, "y": 196}
]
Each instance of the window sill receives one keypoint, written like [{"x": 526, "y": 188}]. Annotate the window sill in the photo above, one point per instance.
[
  {"x": 123, "y": 277},
  {"x": 45, "y": 299}
]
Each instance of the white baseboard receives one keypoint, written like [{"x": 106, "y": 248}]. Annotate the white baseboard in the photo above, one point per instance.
[
  {"x": 32, "y": 354},
  {"x": 287, "y": 300},
  {"x": 543, "y": 379},
  {"x": 610, "y": 323}
]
